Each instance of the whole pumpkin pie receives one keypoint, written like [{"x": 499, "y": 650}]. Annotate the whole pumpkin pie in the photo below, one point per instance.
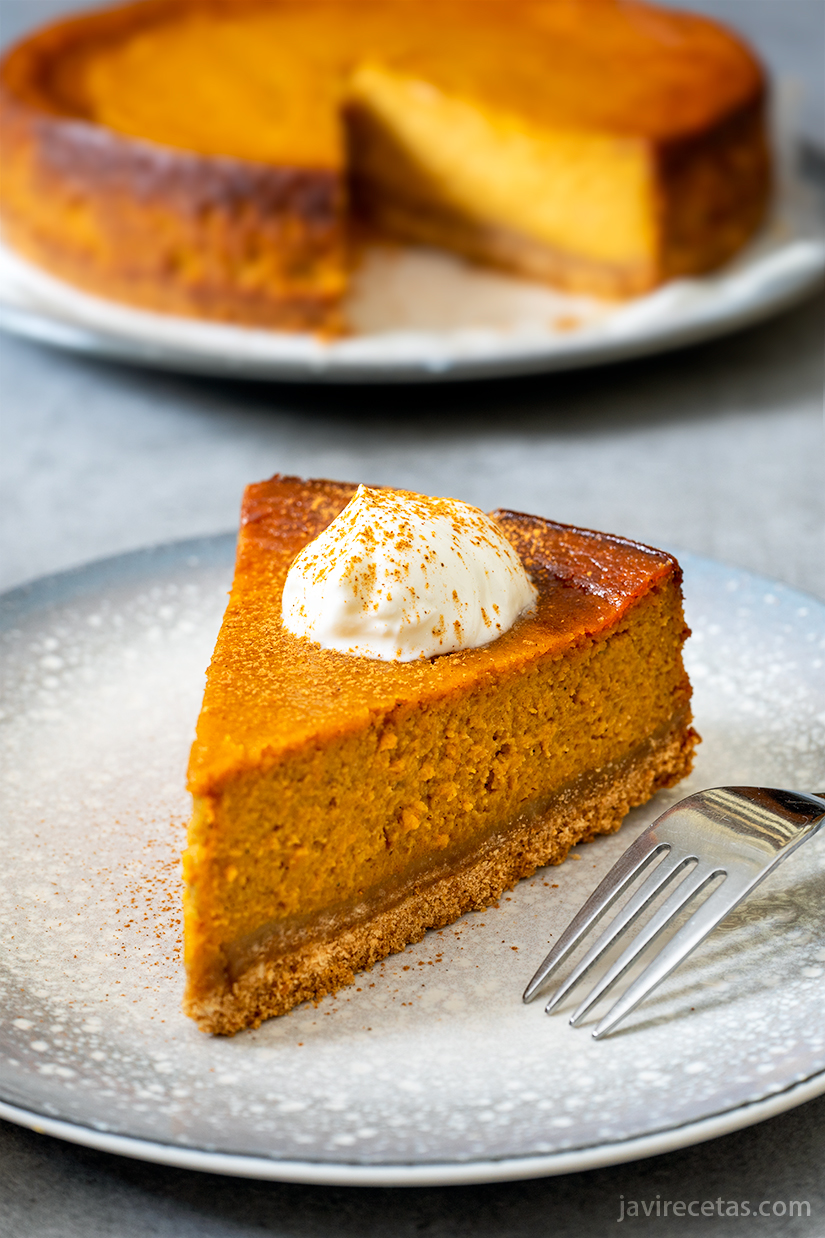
[
  {"x": 206, "y": 157},
  {"x": 345, "y": 804}
]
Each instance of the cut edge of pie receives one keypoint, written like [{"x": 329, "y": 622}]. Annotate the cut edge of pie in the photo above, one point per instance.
[{"x": 311, "y": 970}]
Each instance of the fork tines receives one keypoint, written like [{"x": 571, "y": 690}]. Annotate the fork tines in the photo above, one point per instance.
[{"x": 735, "y": 833}]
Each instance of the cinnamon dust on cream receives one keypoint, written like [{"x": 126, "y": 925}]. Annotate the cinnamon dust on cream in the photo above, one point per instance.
[{"x": 399, "y": 576}]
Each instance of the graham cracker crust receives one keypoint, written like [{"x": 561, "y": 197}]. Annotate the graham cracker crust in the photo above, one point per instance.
[{"x": 312, "y": 969}]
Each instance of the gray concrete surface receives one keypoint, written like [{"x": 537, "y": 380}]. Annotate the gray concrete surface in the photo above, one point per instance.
[{"x": 719, "y": 450}]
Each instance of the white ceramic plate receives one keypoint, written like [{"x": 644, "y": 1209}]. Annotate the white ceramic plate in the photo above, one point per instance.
[
  {"x": 430, "y": 1069},
  {"x": 421, "y": 314}
]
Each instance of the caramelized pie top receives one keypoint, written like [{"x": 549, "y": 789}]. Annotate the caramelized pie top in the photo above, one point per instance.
[{"x": 264, "y": 80}]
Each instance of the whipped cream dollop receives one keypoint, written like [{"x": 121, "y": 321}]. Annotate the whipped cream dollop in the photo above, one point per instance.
[{"x": 400, "y": 576}]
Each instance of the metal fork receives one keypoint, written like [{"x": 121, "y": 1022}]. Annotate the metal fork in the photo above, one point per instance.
[{"x": 737, "y": 833}]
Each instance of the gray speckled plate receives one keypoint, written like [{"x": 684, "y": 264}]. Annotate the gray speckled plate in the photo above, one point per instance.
[{"x": 430, "y": 1069}]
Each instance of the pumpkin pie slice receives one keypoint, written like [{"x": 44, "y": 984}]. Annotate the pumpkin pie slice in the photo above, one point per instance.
[{"x": 343, "y": 805}]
